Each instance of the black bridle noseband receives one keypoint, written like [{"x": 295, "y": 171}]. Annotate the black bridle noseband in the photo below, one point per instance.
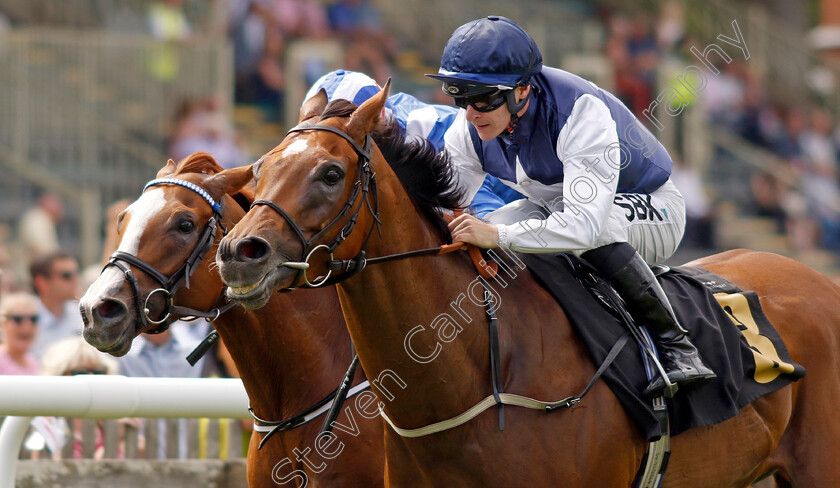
[
  {"x": 170, "y": 284},
  {"x": 364, "y": 186}
]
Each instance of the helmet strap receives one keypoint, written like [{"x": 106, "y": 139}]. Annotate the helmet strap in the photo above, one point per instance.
[{"x": 514, "y": 107}]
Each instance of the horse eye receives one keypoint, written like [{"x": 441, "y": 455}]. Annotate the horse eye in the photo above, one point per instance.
[
  {"x": 186, "y": 226},
  {"x": 332, "y": 177}
]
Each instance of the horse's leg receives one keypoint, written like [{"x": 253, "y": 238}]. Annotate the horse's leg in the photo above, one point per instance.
[{"x": 802, "y": 305}]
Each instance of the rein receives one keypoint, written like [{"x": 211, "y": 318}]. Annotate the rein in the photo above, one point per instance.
[{"x": 170, "y": 284}]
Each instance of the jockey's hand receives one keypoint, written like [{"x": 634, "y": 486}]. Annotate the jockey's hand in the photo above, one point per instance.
[{"x": 466, "y": 228}]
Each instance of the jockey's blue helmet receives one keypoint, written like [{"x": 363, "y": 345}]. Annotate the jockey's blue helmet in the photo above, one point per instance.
[
  {"x": 489, "y": 51},
  {"x": 484, "y": 60}
]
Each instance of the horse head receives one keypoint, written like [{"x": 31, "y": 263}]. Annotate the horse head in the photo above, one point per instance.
[
  {"x": 312, "y": 191},
  {"x": 163, "y": 256}
]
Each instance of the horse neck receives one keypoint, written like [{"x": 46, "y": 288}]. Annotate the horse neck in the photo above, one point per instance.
[
  {"x": 386, "y": 301},
  {"x": 291, "y": 353}
]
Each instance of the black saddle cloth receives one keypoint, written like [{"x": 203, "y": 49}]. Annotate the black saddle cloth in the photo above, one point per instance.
[{"x": 743, "y": 376}]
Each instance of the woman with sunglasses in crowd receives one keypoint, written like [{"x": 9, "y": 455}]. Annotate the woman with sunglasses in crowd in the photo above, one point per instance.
[
  {"x": 70, "y": 357},
  {"x": 597, "y": 181},
  {"x": 19, "y": 313}
]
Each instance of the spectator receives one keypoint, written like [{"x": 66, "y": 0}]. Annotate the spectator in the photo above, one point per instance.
[
  {"x": 699, "y": 228},
  {"x": 247, "y": 31},
  {"x": 203, "y": 126},
  {"x": 19, "y": 313},
  {"x": 818, "y": 174},
  {"x": 168, "y": 24},
  {"x": 670, "y": 30},
  {"x": 37, "y": 232},
  {"x": 55, "y": 278},
  {"x": 8, "y": 278},
  {"x": 259, "y": 46},
  {"x": 787, "y": 141},
  {"x": 632, "y": 88},
  {"x": 162, "y": 356},
  {"x": 70, "y": 357},
  {"x": 758, "y": 116},
  {"x": 643, "y": 49},
  {"x": 724, "y": 95},
  {"x": 73, "y": 356},
  {"x": 300, "y": 18},
  {"x": 769, "y": 198},
  {"x": 368, "y": 46}
]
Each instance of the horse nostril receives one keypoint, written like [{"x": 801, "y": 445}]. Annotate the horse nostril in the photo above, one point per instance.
[
  {"x": 252, "y": 248},
  {"x": 109, "y": 310}
]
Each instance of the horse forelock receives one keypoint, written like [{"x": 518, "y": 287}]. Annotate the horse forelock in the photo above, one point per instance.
[{"x": 338, "y": 108}]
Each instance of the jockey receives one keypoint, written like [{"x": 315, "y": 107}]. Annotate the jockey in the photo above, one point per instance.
[
  {"x": 597, "y": 182},
  {"x": 417, "y": 120}
]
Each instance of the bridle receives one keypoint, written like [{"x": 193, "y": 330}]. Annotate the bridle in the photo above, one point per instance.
[
  {"x": 170, "y": 284},
  {"x": 365, "y": 186}
]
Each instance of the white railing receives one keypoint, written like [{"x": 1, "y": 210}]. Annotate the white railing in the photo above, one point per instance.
[{"x": 108, "y": 396}]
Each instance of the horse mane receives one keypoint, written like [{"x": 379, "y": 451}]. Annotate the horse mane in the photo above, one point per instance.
[
  {"x": 203, "y": 163},
  {"x": 426, "y": 174}
]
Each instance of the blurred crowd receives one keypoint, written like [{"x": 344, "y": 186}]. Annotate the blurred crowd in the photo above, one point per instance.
[
  {"x": 261, "y": 33},
  {"x": 802, "y": 195},
  {"x": 41, "y": 333}
]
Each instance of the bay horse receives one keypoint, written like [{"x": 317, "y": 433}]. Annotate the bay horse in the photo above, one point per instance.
[
  {"x": 290, "y": 354},
  {"x": 307, "y": 196}
]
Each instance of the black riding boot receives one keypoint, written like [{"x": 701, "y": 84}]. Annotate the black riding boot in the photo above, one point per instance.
[{"x": 650, "y": 307}]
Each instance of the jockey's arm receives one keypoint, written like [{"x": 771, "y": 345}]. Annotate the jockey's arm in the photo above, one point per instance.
[{"x": 588, "y": 147}]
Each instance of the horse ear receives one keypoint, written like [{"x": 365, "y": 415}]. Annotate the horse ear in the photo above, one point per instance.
[
  {"x": 367, "y": 116},
  {"x": 232, "y": 180},
  {"x": 314, "y": 106},
  {"x": 167, "y": 170}
]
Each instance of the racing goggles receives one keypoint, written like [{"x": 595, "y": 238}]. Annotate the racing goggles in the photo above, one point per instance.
[{"x": 483, "y": 98}]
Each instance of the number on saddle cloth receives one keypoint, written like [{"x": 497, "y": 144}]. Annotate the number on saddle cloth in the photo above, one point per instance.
[{"x": 591, "y": 307}]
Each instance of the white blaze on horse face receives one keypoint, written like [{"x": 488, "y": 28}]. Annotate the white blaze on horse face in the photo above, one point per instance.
[
  {"x": 106, "y": 285},
  {"x": 138, "y": 214},
  {"x": 296, "y": 147}
]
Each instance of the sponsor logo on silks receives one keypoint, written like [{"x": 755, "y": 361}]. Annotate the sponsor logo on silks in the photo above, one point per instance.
[{"x": 639, "y": 207}]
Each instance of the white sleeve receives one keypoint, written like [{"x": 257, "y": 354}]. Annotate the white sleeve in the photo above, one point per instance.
[
  {"x": 464, "y": 158},
  {"x": 589, "y": 185}
]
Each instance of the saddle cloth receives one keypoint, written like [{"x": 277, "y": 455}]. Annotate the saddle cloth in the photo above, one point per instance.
[{"x": 726, "y": 324}]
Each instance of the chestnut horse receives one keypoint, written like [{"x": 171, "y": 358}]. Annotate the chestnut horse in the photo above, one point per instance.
[
  {"x": 308, "y": 195},
  {"x": 290, "y": 354}
]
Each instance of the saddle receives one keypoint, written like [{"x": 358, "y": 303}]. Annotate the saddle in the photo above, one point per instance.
[{"x": 726, "y": 324}]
